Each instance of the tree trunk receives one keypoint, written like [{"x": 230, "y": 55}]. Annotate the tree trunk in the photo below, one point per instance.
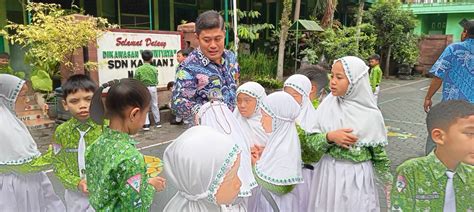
[
  {"x": 285, "y": 25},
  {"x": 328, "y": 17},
  {"x": 297, "y": 10},
  {"x": 360, "y": 13},
  {"x": 387, "y": 61}
]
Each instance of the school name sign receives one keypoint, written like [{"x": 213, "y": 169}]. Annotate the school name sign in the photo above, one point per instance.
[{"x": 119, "y": 54}]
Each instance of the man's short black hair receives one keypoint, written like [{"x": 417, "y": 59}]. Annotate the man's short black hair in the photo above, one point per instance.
[
  {"x": 78, "y": 82},
  {"x": 210, "y": 19},
  {"x": 147, "y": 55},
  {"x": 375, "y": 57},
  {"x": 446, "y": 113},
  {"x": 468, "y": 27},
  {"x": 316, "y": 74}
]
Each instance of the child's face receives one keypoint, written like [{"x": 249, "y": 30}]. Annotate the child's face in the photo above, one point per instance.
[
  {"x": 458, "y": 140},
  {"x": 180, "y": 57},
  {"x": 373, "y": 62},
  {"x": 266, "y": 122},
  {"x": 297, "y": 96},
  {"x": 314, "y": 91},
  {"x": 246, "y": 105},
  {"x": 4, "y": 61},
  {"x": 339, "y": 82},
  {"x": 78, "y": 104},
  {"x": 230, "y": 187}
]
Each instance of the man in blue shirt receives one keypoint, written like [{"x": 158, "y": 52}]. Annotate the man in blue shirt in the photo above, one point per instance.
[
  {"x": 209, "y": 72},
  {"x": 454, "y": 69}
]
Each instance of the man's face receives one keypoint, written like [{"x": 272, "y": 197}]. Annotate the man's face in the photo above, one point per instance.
[
  {"x": 463, "y": 35},
  {"x": 211, "y": 42}
]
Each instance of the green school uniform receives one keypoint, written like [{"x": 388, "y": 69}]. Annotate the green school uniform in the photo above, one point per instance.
[
  {"x": 375, "y": 77},
  {"x": 116, "y": 174},
  {"x": 421, "y": 184},
  {"x": 147, "y": 74},
  {"x": 65, "y": 148}
]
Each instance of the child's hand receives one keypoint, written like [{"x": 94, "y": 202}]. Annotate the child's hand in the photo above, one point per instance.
[
  {"x": 342, "y": 137},
  {"x": 158, "y": 182},
  {"x": 82, "y": 186},
  {"x": 256, "y": 153}
]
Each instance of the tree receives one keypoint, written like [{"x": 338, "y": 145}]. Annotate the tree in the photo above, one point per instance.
[
  {"x": 285, "y": 25},
  {"x": 394, "y": 27},
  {"x": 334, "y": 43},
  {"x": 249, "y": 32},
  {"x": 328, "y": 18},
  {"x": 51, "y": 39},
  {"x": 360, "y": 14}
]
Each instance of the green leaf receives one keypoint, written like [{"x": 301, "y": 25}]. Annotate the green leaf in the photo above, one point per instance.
[{"x": 41, "y": 81}]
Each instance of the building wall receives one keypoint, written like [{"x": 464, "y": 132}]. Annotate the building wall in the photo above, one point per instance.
[{"x": 453, "y": 27}]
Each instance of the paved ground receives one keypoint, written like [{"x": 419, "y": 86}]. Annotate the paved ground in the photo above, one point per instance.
[{"x": 401, "y": 102}]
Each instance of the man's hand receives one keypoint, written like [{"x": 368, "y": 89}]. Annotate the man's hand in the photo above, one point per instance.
[
  {"x": 82, "y": 186},
  {"x": 427, "y": 105},
  {"x": 342, "y": 137}
]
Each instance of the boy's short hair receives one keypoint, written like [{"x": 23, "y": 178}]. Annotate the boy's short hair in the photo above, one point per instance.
[
  {"x": 375, "y": 57},
  {"x": 446, "y": 113},
  {"x": 147, "y": 55},
  {"x": 316, "y": 74},
  {"x": 78, "y": 82},
  {"x": 170, "y": 85}
]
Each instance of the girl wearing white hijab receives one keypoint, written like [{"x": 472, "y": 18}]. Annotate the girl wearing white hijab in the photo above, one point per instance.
[
  {"x": 299, "y": 87},
  {"x": 202, "y": 164},
  {"x": 248, "y": 114},
  {"x": 352, "y": 134},
  {"x": 23, "y": 185},
  {"x": 278, "y": 169},
  {"x": 217, "y": 115}
]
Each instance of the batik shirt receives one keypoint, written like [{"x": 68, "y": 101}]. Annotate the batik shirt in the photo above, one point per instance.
[
  {"x": 421, "y": 184},
  {"x": 65, "y": 149},
  {"x": 116, "y": 174},
  {"x": 317, "y": 142},
  {"x": 198, "y": 80},
  {"x": 455, "y": 67}
]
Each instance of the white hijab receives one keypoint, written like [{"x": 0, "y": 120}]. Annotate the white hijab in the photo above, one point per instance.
[
  {"x": 217, "y": 115},
  {"x": 306, "y": 118},
  {"x": 280, "y": 163},
  {"x": 356, "y": 109},
  {"x": 196, "y": 163},
  {"x": 252, "y": 126},
  {"x": 17, "y": 145}
]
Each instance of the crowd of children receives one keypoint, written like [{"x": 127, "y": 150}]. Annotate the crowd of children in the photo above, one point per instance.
[{"x": 317, "y": 145}]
